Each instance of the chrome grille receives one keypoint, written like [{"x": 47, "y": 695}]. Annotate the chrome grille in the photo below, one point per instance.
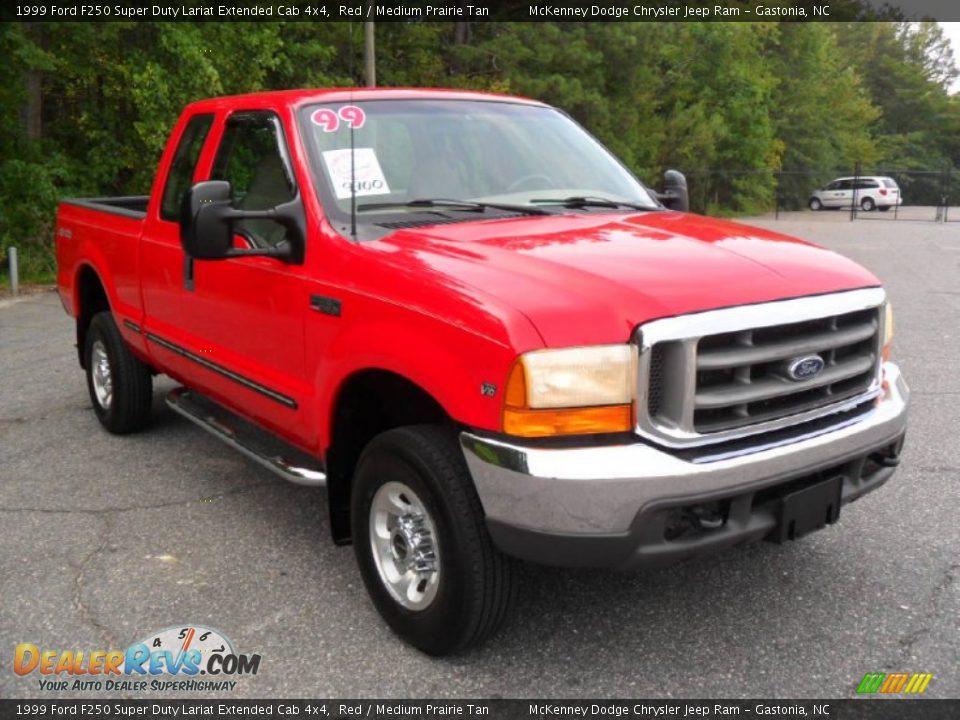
[
  {"x": 722, "y": 374},
  {"x": 742, "y": 376}
]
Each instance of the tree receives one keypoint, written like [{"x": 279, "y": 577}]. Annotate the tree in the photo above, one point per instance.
[{"x": 821, "y": 111}]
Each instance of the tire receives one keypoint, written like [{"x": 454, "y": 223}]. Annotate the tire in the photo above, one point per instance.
[
  {"x": 471, "y": 585},
  {"x": 815, "y": 204},
  {"x": 868, "y": 205},
  {"x": 120, "y": 385}
]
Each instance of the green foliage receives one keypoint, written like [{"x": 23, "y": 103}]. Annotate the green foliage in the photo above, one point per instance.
[
  {"x": 731, "y": 104},
  {"x": 907, "y": 68},
  {"x": 29, "y": 190},
  {"x": 822, "y": 112}
]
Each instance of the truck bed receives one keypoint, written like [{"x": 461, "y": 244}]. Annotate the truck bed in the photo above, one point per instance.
[
  {"x": 130, "y": 205},
  {"x": 101, "y": 234}
]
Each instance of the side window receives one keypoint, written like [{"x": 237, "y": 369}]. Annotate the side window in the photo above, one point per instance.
[
  {"x": 251, "y": 157},
  {"x": 184, "y": 162},
  {"x": 845, "y": 185},
  {"x": 835, "y": 185}
]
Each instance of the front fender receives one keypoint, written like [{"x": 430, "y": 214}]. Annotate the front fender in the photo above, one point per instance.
[{"x": 451, "y": 364}]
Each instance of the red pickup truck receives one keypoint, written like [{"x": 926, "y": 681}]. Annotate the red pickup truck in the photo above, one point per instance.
[{"x": 468, "y": 321}]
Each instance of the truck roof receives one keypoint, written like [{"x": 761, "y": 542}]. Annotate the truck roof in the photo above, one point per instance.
[{"x": 296, "y": 98}]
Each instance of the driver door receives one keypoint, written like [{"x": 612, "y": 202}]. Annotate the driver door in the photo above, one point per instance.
[{"x": 248, "y": 312}]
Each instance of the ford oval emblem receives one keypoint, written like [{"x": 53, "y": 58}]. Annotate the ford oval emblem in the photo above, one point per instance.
[{"x": 804, "y": 368}]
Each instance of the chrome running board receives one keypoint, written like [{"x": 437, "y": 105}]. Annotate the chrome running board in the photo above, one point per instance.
[{"x": 257, "y": 444}]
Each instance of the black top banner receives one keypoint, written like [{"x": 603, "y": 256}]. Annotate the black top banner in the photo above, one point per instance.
[
  {"x": 482, "y": 10},
  {"x": 45, "y": 709}
]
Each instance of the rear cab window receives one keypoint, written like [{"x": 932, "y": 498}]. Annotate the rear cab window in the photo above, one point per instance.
[{"x": 183, "y": 165}]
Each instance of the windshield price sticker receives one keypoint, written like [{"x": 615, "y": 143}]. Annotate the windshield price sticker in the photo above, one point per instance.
[
  {"x": 366, "y": 172},
  {"x": 329, "y": 120}
]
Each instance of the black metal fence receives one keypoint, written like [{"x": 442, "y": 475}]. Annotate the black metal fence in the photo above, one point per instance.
[
  {"x": 951, "y": 198},
  {"x": 924, "y": 194}
]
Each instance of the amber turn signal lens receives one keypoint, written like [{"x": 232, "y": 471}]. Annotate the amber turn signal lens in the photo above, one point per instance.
[
  {"x": 887, "y": 331},
  {"x": 571, "y": 421},
  {"x": 516, "y": 395}
]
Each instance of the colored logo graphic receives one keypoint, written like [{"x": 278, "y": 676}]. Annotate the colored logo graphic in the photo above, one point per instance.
[
  {"x": 894, "y": 683},
  {"x": 185, "y": 651}
]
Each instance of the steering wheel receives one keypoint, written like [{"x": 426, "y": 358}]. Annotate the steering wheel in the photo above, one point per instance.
[{"x": 516, "y": 184}]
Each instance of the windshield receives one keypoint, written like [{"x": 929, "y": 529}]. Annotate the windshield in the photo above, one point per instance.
[{"x": 498, "y": 158}]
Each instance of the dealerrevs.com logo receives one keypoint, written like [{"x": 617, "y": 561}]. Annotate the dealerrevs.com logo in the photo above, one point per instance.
[{"x": 172, "y": 659}]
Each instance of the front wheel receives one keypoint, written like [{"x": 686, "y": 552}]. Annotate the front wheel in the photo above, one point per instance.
[
  {"x": 815, "y": 204},
  {"x": 120, "y": 385},
  {"x": 422, "y": 544}
]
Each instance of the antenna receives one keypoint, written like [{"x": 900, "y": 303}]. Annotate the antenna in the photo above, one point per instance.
[
  {"x": 353, "y": 159},
  {"x": 353, "y": 184}
]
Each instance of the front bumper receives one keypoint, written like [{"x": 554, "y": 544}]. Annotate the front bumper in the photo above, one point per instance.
[{"x": 625, "y": 505}]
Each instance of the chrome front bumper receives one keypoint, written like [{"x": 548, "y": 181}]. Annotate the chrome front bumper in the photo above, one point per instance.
[{"x": 601, "y": 491}]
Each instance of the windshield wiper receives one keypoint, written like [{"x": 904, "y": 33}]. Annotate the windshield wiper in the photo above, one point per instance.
[
  {"x": 467, "y": 205},
  {"x": 582, "y": 202}
]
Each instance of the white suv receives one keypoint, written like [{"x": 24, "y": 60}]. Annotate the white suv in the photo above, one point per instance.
[{"x": 870, "y": 193}]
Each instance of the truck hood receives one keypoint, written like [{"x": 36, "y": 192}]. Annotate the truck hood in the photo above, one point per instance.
[{"x": 591, "y": 278}]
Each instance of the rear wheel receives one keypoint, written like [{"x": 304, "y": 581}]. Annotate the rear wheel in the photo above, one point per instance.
[
  {"x": 868, "y": 204},
  {"x": 815, "y": 204},
  {"x": 422, "y": 545},
  {"x": 120, "y": 385}
]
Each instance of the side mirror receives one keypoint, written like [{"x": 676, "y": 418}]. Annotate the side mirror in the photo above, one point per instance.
[
  {"x": 204, "y": 232},
  {"x": 675, "y": 195},
  {"x": 206, "y": 224}
]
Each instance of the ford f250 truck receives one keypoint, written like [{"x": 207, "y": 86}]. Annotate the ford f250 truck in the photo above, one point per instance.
[{"x": 468, "y": 321}]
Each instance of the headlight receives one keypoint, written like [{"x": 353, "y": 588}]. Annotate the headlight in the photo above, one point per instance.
[
  {"x": 887, "y": 330},
  {"x": 571, "y": 391}
]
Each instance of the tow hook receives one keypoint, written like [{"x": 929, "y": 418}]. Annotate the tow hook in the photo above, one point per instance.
[
  {"x": 705, "y": 518},
  {"x": 890, "y": 455}
]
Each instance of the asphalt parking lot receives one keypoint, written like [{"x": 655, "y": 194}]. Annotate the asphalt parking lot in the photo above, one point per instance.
[{"x": 106, "y": 539}]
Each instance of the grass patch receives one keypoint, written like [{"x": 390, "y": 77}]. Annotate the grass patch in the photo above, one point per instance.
[{"x": 35, "y": 279}]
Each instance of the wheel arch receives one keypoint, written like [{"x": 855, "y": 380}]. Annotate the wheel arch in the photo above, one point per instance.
[
  {"x": 366, "y": 403},
  {"x": 90, "y": 298}
]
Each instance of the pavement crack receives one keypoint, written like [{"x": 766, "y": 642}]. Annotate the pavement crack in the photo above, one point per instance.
[
  {"x": 85, "y": 613},
  {"x": 133, "y": 508},
  {"x": 925, "y": 624}
]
